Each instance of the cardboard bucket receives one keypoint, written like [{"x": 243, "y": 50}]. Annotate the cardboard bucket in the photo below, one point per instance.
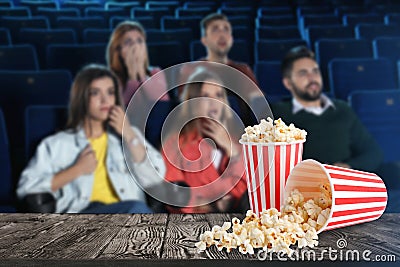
[
  {"x": 357, "y": 196},
  {"x": 267, "y": 168}
]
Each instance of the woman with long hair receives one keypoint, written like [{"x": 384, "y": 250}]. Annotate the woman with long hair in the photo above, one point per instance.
[
  {"x": 203, "y": 150},
  {"x": 84, "y": 167},
  {"x": 128, "y": 57}
]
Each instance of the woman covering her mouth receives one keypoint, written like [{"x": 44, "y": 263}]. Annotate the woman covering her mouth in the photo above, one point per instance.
[{"x": 201, "y": 148}]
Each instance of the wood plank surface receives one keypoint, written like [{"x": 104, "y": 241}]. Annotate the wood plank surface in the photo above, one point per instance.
[
  {"x": 183, "y": 231},
  {"x": 85, "y": 239},
  {"x": 140, "y": 238},
  {"x": 157, "y": 240},
  {"x": 16, "y": 238}
]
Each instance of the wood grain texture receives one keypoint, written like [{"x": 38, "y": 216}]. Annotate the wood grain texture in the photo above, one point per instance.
[
  {"x": 183, "y": 231},
  {"x": 82, "y": 239},
  {"x": 16, "y": 238},
  {"x": 156, "y": 239},
  {"x": 140, "y": 238}
]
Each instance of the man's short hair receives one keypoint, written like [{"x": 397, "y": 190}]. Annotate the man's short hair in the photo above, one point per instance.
[
  {"x": 293, "y": 55},
  {"x": 210, "y": 18}
]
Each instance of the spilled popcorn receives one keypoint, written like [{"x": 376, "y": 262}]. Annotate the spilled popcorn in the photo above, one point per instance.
[
  {"x": 273, "y": 131},
  {"x": 274, "y": 231}
]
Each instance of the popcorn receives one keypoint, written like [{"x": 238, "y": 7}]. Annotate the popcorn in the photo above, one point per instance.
[
  {"x": 274, "y": 231},
  {"x": 323, "y": 217},
  {"x": 273, "y": 131}
]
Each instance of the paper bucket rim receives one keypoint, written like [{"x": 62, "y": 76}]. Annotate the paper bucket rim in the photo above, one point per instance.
[{"x": 271, "y": 143}]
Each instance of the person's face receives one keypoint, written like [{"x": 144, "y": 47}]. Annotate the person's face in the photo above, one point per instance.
[
  {"x": 218, "y": 37},
  {"x": 211, "y": 101},
  {"x": 101, "y": 98},
  {"x": 305, "y": 81},
  {"x": 132, "y": 41}
]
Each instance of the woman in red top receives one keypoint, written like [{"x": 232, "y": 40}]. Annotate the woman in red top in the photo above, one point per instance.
[{"x": 205, "y": 154}]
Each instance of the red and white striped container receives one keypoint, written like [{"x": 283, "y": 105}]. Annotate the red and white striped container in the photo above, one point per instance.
[
  {"x": 357, "y": 196},
  {"x": 267, "y": 168}
]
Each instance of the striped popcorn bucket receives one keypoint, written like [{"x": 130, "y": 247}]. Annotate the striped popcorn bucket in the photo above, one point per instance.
[
  {"x": 357, "y": 196},
  {"x": 267, "y": 168}
]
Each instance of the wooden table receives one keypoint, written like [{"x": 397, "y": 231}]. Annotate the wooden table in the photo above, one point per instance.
[{"x": 161, "y": 240}]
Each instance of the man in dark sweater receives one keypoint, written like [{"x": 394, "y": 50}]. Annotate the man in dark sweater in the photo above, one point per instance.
[{"x": 335, "y": 135}]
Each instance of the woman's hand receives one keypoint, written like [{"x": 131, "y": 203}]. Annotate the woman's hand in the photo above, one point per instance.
[
  {"x": 217, "y": 132},
  {"x": 120, "y": 124},
  {"x": 86, "y": 162},
  {"x": 117, "y": 115},
  {"x": 134, "y": 62}
]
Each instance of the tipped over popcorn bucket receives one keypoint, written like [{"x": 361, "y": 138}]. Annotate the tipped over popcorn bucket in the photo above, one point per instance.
[
  {"x": 357, "y": 196},
  {"x": 267, "y": 168}
]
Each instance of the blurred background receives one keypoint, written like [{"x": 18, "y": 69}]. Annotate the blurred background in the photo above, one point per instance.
[{"x": 43, "y": 43}]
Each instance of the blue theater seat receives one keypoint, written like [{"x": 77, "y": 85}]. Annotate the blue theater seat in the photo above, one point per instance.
[
  {"x": 155, "y": 121},
  {"x": 35, "y": 5},
  {"x": 274, "y": 50},
  {"x": 183, "y": 36},
  {"x": 274, "y": 11},
  {"x": 269, "y": 77},
  {"x": 380, "y": 112},
  {"x": 5, "y": 37},
  {"x": 127, "y": 6},
  {"x": 40, "y": 122},
  {"x": 14, "y": 24},
  {"x": 155, "y": 13},
  {"x": 193, "y": 22},
  {"x": 315, "y": 33},
  {"x": 347, "y": 75},
  {"x": 387, "y": 47},
  {"x": 328, "y": 49},
  {"x": 372, "y": 31},
  {"x": 6, "y": 4},
  {"x": 147, "y": 22},
  {"x": 96, "y": 35},
  {"x": 18, "y": 57},
  {"x": 15, "y": 11},
  {"x": 80, "y": 24},
  {"x": 80, "y": 5},
  {"x": 6, "y": 188},
  {"x": 354, "y": 19},
  {"x": 52, "y": 14},
  {"x": 23, "y": 88},
  {"x": 273, "y": 33},
  {"x": 196, "y": 4},
  {"x": 268, "y": 21},
  {"x": 165, "y": 54},
  {"x": 74, "y": 56},
  {"x": 40, "y": 38},
  {"x": 318, "y": 20},
  {"x": 171, "y": 5},
  {"x": 189, "y": 12},
  {"x": 105, "y": 13}
]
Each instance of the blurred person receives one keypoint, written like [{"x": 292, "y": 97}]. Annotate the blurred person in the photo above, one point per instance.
[
  {"x": 206, "y": 151},
  {"x": 128, "y": 57},
  {"x": 217, "y": 38},
  {"x": 83, "y": 167},
  {"x": 335, "y": 135}
]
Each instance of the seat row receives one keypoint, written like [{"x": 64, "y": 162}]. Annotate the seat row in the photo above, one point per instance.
[
  {"x": 61, "y": 52},
  {"x": 378, "y": 110}
]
